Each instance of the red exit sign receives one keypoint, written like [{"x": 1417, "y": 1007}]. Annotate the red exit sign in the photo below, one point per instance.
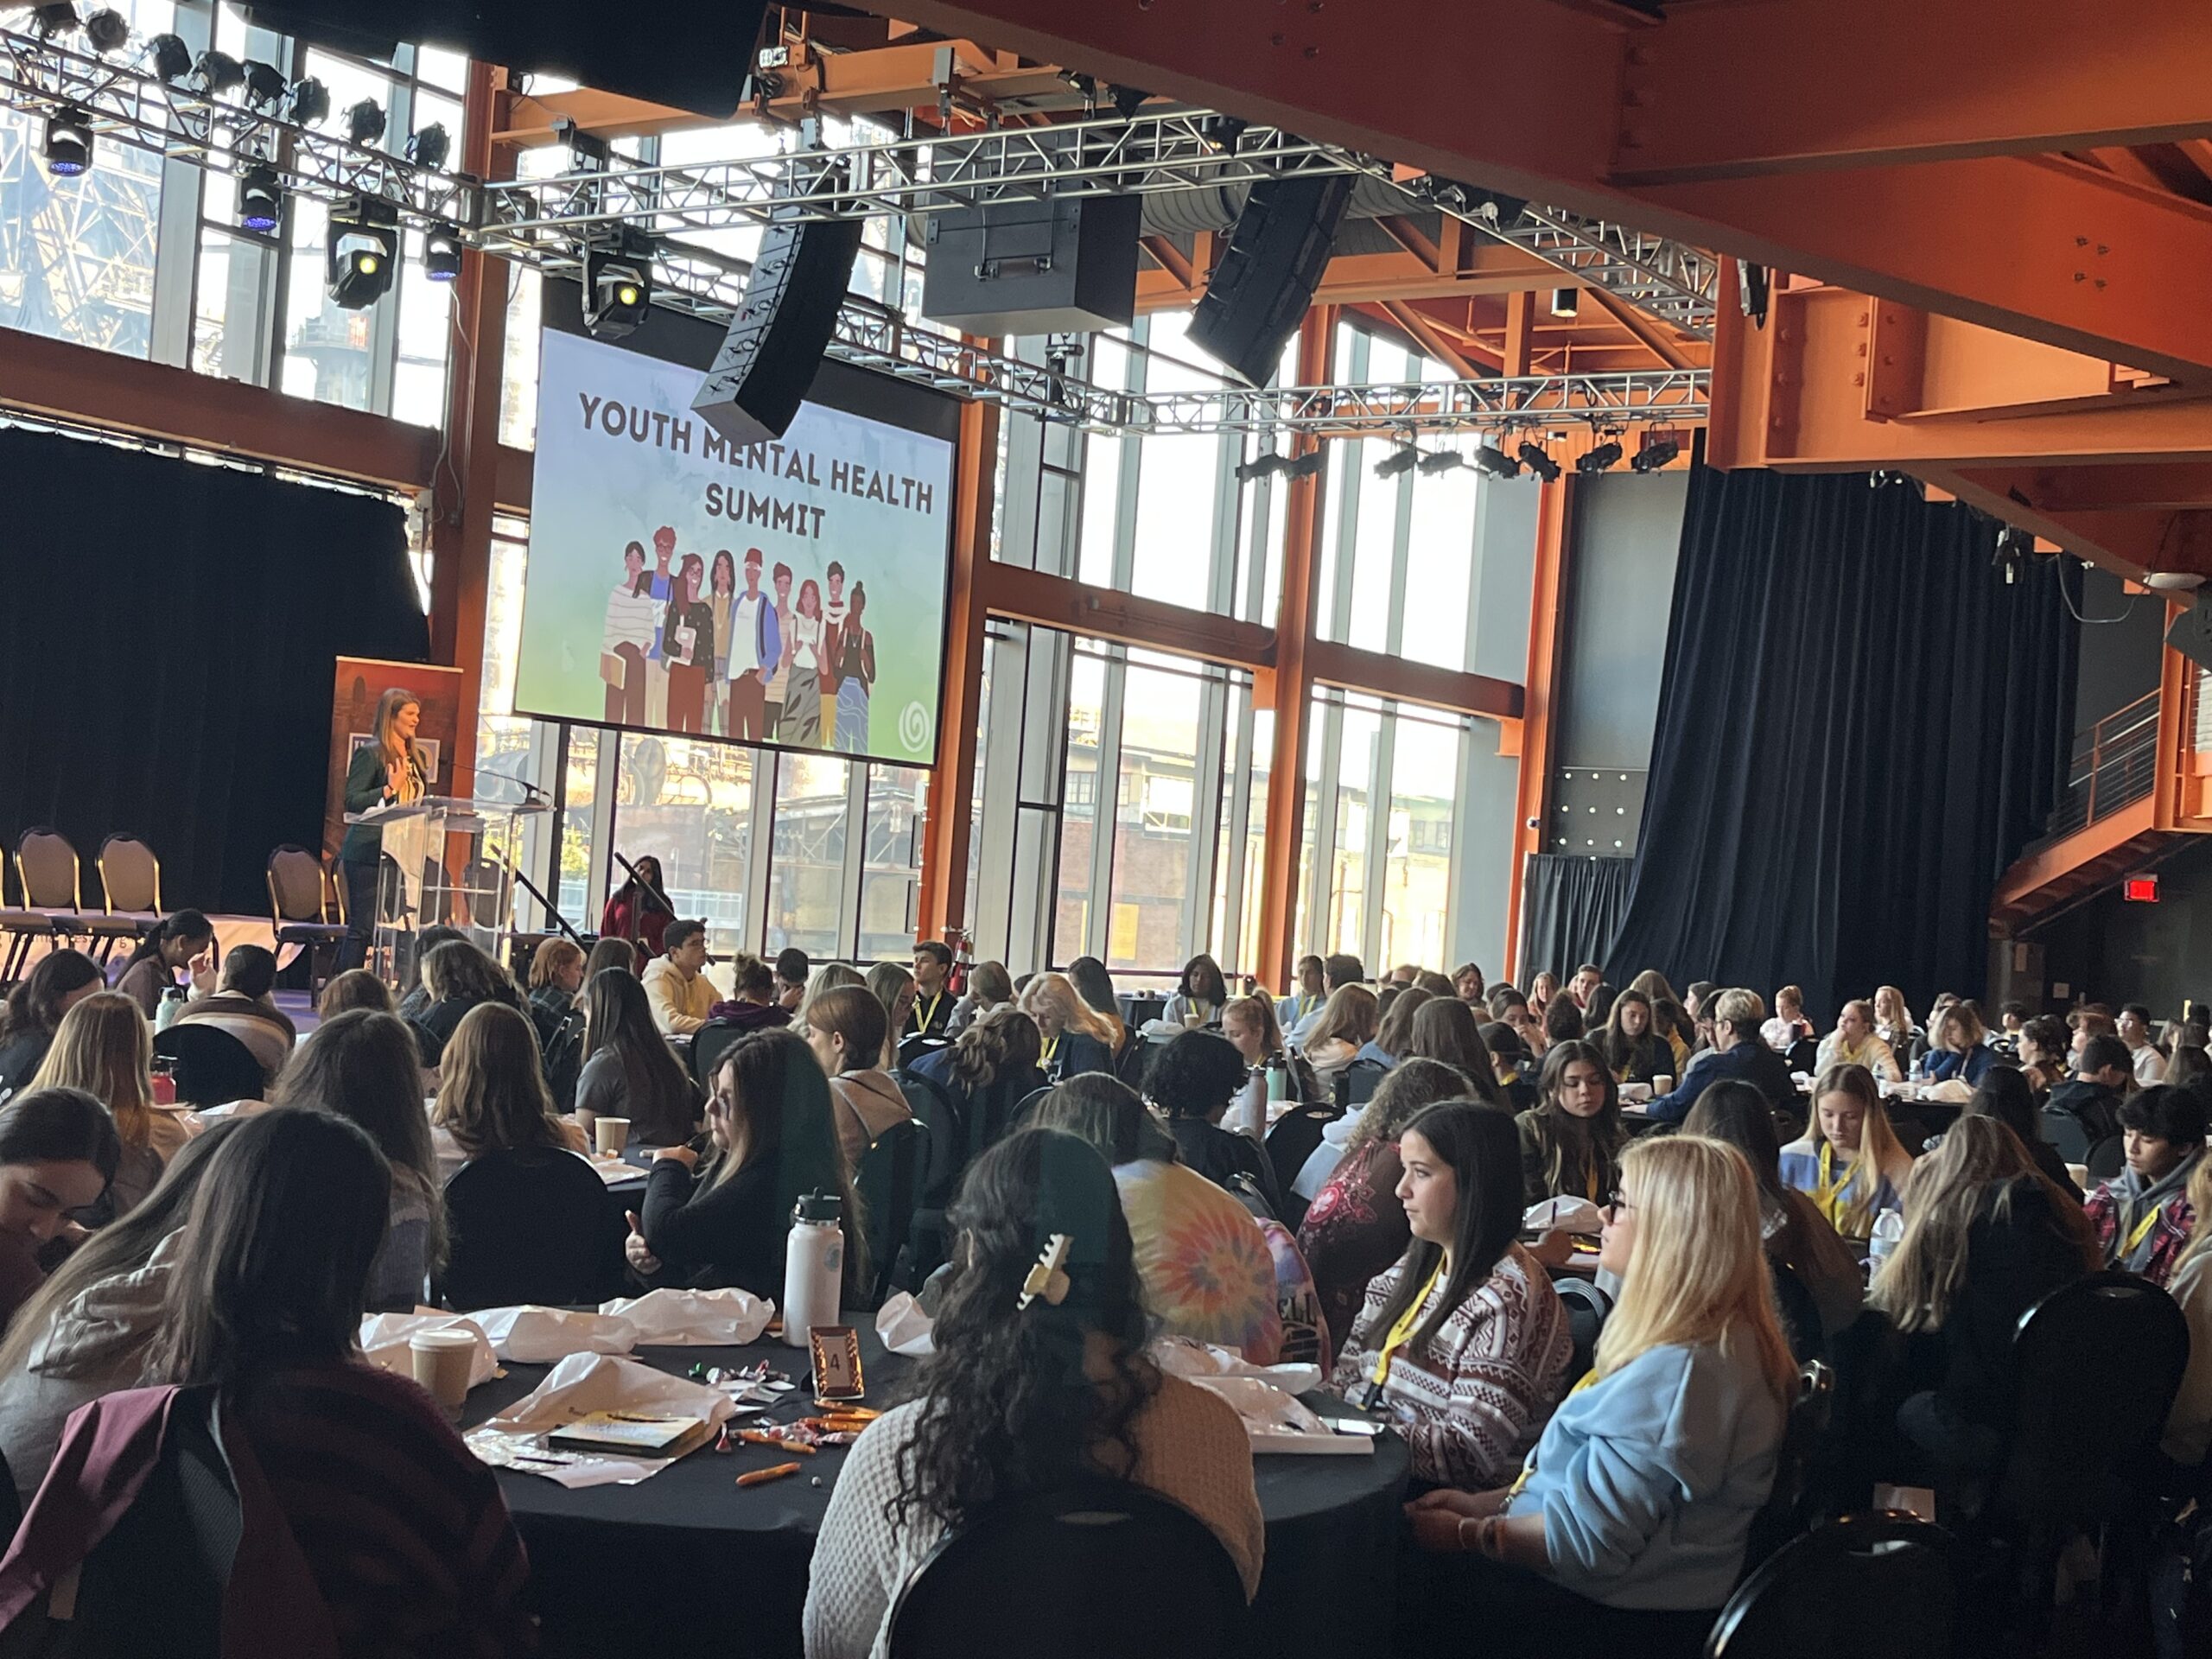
[{"x": 2141, "y": 890}]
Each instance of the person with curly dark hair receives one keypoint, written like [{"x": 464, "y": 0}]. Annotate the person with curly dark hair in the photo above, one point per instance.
[
  {"x": 1191, "y": 1080},
  {"x": 1026, "y": 1390}
]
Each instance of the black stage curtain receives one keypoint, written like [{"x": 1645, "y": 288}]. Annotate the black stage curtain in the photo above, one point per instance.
[
  {"x": 1861, "y": 723},
  {"x": 1571, "y": 909},
  {"x": 167, "y": 632}
]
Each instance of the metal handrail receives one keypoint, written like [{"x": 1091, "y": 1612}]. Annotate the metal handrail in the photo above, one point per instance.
[{"x": 2114, "y": 766}]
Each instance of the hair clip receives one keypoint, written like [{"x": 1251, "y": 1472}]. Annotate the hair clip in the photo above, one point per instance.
[{"x": 1048, "y": 1278}]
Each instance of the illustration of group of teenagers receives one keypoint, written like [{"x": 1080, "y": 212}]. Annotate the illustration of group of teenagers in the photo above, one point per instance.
[{"x": 693, "y": 650}]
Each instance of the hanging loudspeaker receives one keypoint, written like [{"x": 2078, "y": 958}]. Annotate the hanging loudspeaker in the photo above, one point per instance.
[
  {"x": 1265, "y": 282},
  {"x": 775, "y": 342}
]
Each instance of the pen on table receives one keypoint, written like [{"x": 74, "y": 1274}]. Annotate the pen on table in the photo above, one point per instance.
[{"x": 759, "y": 1476}]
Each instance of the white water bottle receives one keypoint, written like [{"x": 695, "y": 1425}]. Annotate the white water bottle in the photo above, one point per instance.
[
  {"x": 814, "y": 1266},
  {"x": 1252, "y": 1104},
  {"x": 1889, "y": 1228}
]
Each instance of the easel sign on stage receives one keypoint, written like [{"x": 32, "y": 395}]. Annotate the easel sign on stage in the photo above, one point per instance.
[{"x": 444, "y": 866}]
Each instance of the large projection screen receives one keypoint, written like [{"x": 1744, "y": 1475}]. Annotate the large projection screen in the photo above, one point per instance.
[{"x": 645, "y": 526}]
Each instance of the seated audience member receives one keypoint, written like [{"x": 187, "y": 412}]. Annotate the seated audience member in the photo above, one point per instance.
[
  {"x": 1986, "y": 1237},
  {"x": 1634, "y": 1050},
  {"x": 1541, "y": 989},
  {"x": 931, "y": 1014},
  {"x": 2133, "y": 1028},
  {"x": 989, "y": 986},
  {"x": 1306, "y": 999},
  {"x": 1562, "y": 1022},
  {"x": 829, "y": 976},
  {"x": 1344, "y": 1027},
  {"x": 242, "y": 1007},
  {"x": 2188, "y": 1066},
  {"x": 1249, "y": 1022},
  {"x": 1796, "y": 1234},
  {"x": 1465, "y": 1342},
  {"x": 1894, "y": 1024},
  {"x": 1516, "y": 1070},
  {"x": 183, "y": 943},
  {"x": 1698, "y": 999},
  {"x": 1571, "y": 1143},
  {"x": 618, "y": 954},
  {"x": 84, "y": 1333},
  {"x": 105, "y": 1048},
  {"x": 2005, "y": 1096},
  {"x": 2188, "y": 1425},
  {"x": 1527, "y": 1024},
  {"x": 629, "y": 1070},
  {"x": 1394, "y": 1030},
  {"x": 726, "y": 1221},
  {"x": 792, "y": 968},
  {"x": 1356, "y": 1228},
  {"x": 894, "y": 988},
  {"x": 1628, "y": 1528},
  {"x": 33, "y": 1012},
  {"x": 752, "y": 1004},
  {"x": 2090, "y": 1021},
  {"x": 58, "y": 1152},
  {"x": 1667, "y": 1018},
  {"x": 1434, "y": 983},
  {"x": 1206, "y": 1268},
  {"x": 1025, "y": 1391},
  {"x": 1444, "y": 1029},
  {"x": 2091, "y": 1097},
  {"x": 403, "y": 1530},
  {"x": 1076, "y": 1037},
  {"x": 1737, "y": 1054},
  {"x": 1584, "y": 983},
  {"x": 492, "y": 1094},
  {"x": 1848, "y": 1159},
  {"x": 1095, "y": 986},
  {"x": 845, "y": 1028},
  {"x": 1337, "y": 971},
  {"x": 988, "y": 1070},
  {"x": 557, "y": 980},
  {"x": 1956, "y": 1048},
  {"x": 640, "y": 910},
  {"x": 1599, "y": 1008},
  {"x": 357, "y": 1067},
  {"x": 357, "y": 988},
  {"x": 1789, "y": 1028},
  {"x": 1467, "y": 982},
  {"x": 1854, "y": 1042},
  {"x": 1200, "y": 993},
  {"x": 683, "y": 997},
  {"x": 457, "y": 976},
  {"x": 416, "y": 997},
  {"x": 2142, "y": 1216},
  {"x": 1192, "y": 1079},
  {"x": 2043, "y": 1054}
]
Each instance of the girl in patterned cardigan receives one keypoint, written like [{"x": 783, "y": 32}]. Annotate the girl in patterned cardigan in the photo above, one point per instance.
[{"x": 1465, "y": 1341}]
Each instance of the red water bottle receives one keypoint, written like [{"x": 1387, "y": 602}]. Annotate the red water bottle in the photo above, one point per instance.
[{"x": 164, "y": 1079}]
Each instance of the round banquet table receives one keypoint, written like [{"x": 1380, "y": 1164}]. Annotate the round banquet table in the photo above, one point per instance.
[{"x": 684, "y": 1562}]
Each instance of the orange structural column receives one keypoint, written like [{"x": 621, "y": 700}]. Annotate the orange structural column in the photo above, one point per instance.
[
  {"x": 1554, "y": 526},
  {"x": 1288, "y": 687}
]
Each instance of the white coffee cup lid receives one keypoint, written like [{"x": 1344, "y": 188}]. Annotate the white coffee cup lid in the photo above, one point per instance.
[{"x": 444, "y": 1337}]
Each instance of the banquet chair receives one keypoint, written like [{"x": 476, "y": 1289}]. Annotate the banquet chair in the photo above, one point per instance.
[
  {"x": 2106, "y": 1158},
  {"x": 921, "y": 1249},
  {"x": 1357, "y": 1083},
  {"x": 1027, "y": 1104},
  {"x": 1053, "y": 1572},
  {"x": 2065, "y": 1132},
  {"x": 888, "y": 1182},
  {"x": 1588, "y": 1306},
  {"x": 529, "y": 1225},
  {"x": 709, "y": 1044},
  {"x": 300, "y": 907},
  {"x": 211, "y": 1067},
  {"x": 45, "y": 871},
  {"x": 1810, "y": 1599},
  {"x": 1292, "y": 1138},
  {"x": 1792, "y": 1503},
  {"x": 130, "y": 891}
]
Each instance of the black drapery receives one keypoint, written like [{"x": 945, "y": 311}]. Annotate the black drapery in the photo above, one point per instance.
[
  {"x": 168, "y": 633},
  {"x": 1861, "y": 723},
  {"x": 1571, "y": 909}
]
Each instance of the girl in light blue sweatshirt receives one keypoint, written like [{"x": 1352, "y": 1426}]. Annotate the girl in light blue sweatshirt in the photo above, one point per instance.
[{"x": 1628, "y": 1523}]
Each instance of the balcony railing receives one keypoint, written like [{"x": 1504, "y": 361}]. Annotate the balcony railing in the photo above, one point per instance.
[{"x": 2114, "y": 765}]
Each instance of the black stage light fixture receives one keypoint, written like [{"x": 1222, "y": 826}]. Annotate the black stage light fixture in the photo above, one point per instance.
[
  {"x": 2013, "y": 547},
  {"x": 1221, "y": 131},
  {"x": 363, "y": 252},
  {"x": 1491, "y": 459},
  {"x": 265, "y": 85},
  {"x": 618, "y": 283},
  {"x": 60, "y": 18},
  {"x": 1127, "y": 100},
  {"x": 1441, "y": 461},
  {"x": 1658, "y": 450},
  {"x": 1566, "y": 301},
  {"x": 1604, "y": 456},
  {"x": 365, "y": 122},
  {"x": 172, "y": 57},
  {"x": 67, "y": 148},
  {"x": 428, "y": 147},
  {"x": 1266, "y": 464},
  {"x": 1308, "y": 465},
  {"x": 442, "y": 253},
  {"x": 1398, "y": 461},
  {"x": 261, "y": 198},
  {"x": 107, "y": 30},
  {"x": 310, "y": 104},
  {"x": 1539, "y": 462},
  {"x": 1754, "y": 290},
  {"x": 217, "y": 73}
]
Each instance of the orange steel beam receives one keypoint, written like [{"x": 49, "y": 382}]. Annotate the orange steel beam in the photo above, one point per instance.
[
  {"x": 1948, "y": 82},
  {"x": 1555, "y": 530},
  {"x": 2046, "y": 864},
  {"x": 1659, "y": 341},
  {"x": 1106, "y": 613},
  {"x": 1426, "y": 339},
  {"x": 465, "y": 490},
  {"x": 1287, "y": 688},
  {"x": 2094, "y": 489},
  {"x": 1329, "y": 663},
  {"x": 1520, "y": 327},
  {"x": 943, "y": 895},
  {"x": 1362, "y": 278}
]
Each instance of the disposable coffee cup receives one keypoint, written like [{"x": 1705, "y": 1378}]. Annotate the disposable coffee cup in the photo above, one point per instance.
[
  {"x": 1192, "y": 1019},
  {"x": 610, "y": 1135},
  {"x": 441, "y": 1360},
  {"x": 1662, "y": 1086}
]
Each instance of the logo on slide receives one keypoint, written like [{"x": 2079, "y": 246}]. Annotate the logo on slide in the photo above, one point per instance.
[{"x": 913, "y": 725}]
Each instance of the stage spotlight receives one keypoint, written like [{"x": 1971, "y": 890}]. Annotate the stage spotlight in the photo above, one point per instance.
[
  {"x": 1307, "y": 465},
  {"x": 172, "y": 57},
  {"x": 1127, "y": 100},
  {"x": 1540, "y": 462},
  {"x": 310, "y": 104},
  {"x": 1604, "y": 456},
  {"x": 1441, "y": 461},
  {"x": 363, "y": 252},
  {"x": 264, "y": 85},
  {"x": 429, "y": 148},
  {"x": 1221, "y": 131},
  {"x": 1754, "y": 290},
  {"x": 1398, "y": 461},
  {"x": 68, "y": 147},
  {"x": 217, "y": 73},
  {"x": 1565, "y": 302},
  {"x": 108, "y": 30},
  {"x": 618, "y": 283},
  {"x": 261, "y": 198},
  {"x": 2013, "y": 547},
  {"x": 1266, "y": 464},
  {"x": 1495, "y": 462},
  {"x": 442, "y": 253},
  {"x": 46, "y": 22},
  {"x": 365, "y": 122},
  {"x": 1657, "y": 450}
]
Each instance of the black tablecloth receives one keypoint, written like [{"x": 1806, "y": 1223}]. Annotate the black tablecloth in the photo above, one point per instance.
[{"x": 688, "y": 1563}]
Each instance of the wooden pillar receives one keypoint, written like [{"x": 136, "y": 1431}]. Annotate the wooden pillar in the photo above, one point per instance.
[
  {"x": 943, "y": 899},
  {"x": 1532, "y": 802},
  {"x": 1288, "y": 687},
  {"x": 464, "y": 488}
]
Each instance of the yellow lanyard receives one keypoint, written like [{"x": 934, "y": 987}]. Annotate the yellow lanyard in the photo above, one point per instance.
[
  {"x": 1528, "y": 1469},
  {"x": 1592, "y": 1183},
  {"x": 1829, "y": 1194},
  {"x": 930, "y": 1012},
  {"x": 1402, "y": 1331},
  {"x": 2142, "y": 1231},
  {"x": 1051, "y": 1048}
]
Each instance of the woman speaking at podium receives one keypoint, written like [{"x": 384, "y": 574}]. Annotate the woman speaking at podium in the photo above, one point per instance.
[{"x": 387, "y": 769}]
